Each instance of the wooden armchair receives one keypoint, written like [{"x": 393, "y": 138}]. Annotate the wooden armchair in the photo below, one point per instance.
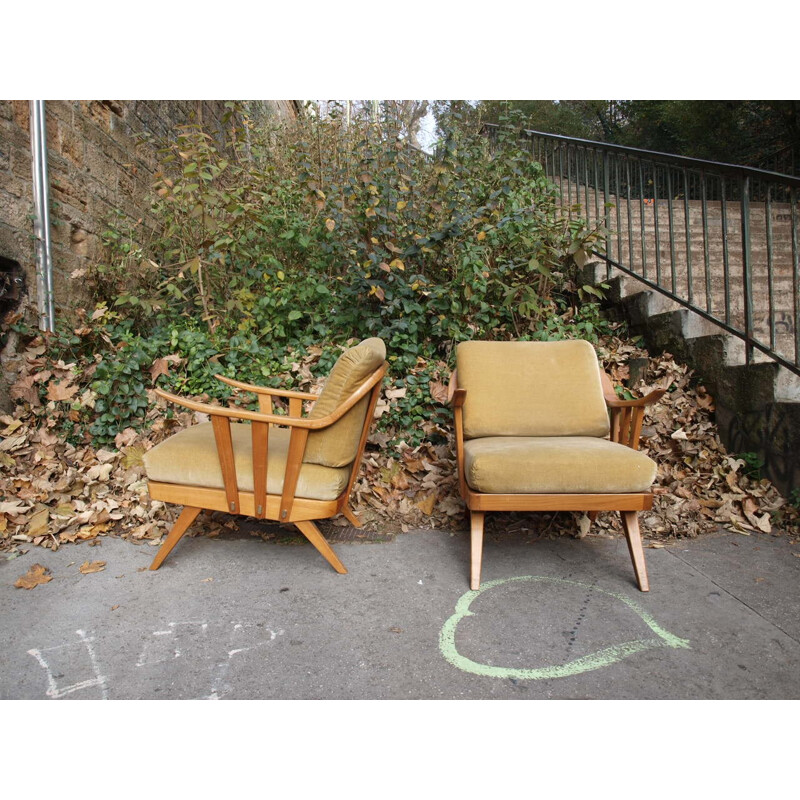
[
  {"x": 531, "y": 421},
  {"x": 291, "y": 468}
]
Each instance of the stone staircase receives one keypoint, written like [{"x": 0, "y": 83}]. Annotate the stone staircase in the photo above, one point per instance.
[{"x": 757, "y": 404}]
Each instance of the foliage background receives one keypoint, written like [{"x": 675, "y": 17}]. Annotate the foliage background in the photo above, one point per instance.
[
  {"x": 758, "y": 133},
  {"x": 287, "y": 238}
]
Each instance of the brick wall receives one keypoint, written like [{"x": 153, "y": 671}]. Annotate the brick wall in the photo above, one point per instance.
[{"x": 95, "y": 167}]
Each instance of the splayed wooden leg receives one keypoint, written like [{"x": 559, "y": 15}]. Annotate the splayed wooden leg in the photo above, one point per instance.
[
  {"x": 351, "y": 517},
  {"x": 312, "y": 533},
  {"x": 186, "y": 518},
  {"x": 476, "y": 547},
  {"x": 630, "y": 522}
]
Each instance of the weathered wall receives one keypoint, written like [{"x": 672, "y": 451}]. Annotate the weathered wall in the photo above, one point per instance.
[{"x": 95, "y": 167}]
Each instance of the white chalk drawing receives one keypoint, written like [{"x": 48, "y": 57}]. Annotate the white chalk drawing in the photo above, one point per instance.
[
  {"x": 167, "y": 645},
  {"x": 602, "y": 658},
  {"x": 219, "y": 686},
  {"x": 172, "y": 643},
  {"x": 53, "y": 654},
  {"x": 179, "y": 640}
]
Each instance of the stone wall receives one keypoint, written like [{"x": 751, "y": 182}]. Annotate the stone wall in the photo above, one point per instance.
[{"x": 95, "y": 168}]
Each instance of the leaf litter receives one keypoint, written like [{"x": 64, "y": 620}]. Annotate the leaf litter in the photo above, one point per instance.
[{"x": 54, "y": 491}]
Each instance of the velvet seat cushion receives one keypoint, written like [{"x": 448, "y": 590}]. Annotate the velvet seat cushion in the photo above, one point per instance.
[
  {"x": 531, "y": 389},
  {"x": 190, "y": 458},
  {"x": 555, "y": 465},
  {"x": 337, "y": 445}
]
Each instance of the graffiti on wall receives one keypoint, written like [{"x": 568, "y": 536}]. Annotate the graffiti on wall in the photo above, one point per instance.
[{"x": 773, "y": 434}]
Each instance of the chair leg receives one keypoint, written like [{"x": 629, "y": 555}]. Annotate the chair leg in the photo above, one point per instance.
[
  {"x": 312, "y": 533},
  {"x": 186, "y": 518},
  {"x": 351, "y": 517},
  {"x": 630, "y": 522},
  {"x": 476, "y": 542}
]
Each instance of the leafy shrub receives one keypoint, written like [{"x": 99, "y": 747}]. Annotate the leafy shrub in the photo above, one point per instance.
[{"x": 287, "y": 236}]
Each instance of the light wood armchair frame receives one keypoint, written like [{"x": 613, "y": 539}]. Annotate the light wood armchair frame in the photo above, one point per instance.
[
  {"x": 626, "y": 427},
  {"x": 284, "y": 507}
]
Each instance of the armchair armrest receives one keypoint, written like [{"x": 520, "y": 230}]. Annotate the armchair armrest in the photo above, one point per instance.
[
  {"x": 455, "y": 396},
  {"x": 242, "y": 413},
  {"x": 292, "y": 420},
  {"x": 265, "y": 395},
  {"x": 250, "y": 387},
  {"x": 627, "y": 415}
]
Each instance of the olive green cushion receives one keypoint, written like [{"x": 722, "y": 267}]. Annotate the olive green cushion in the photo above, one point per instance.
[
  {"x": 531, "y": 389},
  {"x": 555, "y": 465},
  {"x": 337, "y": 445},
  {"x": 190, "y": 458}
]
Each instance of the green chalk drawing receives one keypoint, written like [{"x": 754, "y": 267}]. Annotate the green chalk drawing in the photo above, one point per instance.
[{"x": 602, "y": 658}]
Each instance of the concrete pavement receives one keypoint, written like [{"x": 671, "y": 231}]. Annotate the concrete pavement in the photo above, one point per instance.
[{"x": 237, "y": 618}]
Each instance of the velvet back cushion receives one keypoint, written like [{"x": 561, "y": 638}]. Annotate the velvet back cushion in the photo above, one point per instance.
[
  {"x": 531, "y": 389},
  {"x": 337, "y": 445}
]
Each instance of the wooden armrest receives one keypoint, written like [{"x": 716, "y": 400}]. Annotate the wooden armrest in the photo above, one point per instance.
[
  {"x": 612, "y": 401},
  {"x": 455, "y": 396},
  {"x": 639, "y": 402},
  {"x": 291, "y": 421},
  {"x": 626, "y": 415},
  {"x": 249, "y": 387},
  {"x": 241, "y": 413}
]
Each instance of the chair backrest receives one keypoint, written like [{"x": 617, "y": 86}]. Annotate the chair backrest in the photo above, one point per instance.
[
  {"x": 531, "y": 389},
  {"x": 337, "y": 446}
]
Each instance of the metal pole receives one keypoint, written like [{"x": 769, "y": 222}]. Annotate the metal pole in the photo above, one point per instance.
[
  {"x": 747, "y": 271},
  {"x": 608, "y": 213},
  {"x": 41, "y": 223}
]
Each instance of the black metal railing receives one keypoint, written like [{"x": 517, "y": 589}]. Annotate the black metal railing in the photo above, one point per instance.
[{"x": 719, "y": 239}]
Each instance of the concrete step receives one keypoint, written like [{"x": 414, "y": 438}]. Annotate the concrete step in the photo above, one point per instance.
[
  {"x": 757, "y": 403},
  {"x": 645, "y": 306}
]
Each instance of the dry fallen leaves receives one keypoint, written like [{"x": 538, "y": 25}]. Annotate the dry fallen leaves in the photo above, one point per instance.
[
  {"x": 94, "y": 566},
  {"x": 53, "y": 491},
  {"x": 62, "y": 390},
  {"x": 35, "y": 575}
]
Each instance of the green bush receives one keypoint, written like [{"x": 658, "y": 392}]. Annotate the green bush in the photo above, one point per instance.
[{"x": 317, "y": 233}]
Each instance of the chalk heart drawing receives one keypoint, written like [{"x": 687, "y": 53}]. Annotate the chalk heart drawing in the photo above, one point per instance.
[{"x": 602, "y": 658}]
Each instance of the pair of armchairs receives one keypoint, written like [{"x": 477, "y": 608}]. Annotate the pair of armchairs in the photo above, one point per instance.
[{"x": 531, "y": 421}]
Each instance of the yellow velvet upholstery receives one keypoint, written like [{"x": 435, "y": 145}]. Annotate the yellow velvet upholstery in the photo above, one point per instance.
[
  {"x": 555, "y": 465},
  {"x": 531, "y": 389},
  {"x": 337, "y": 445},
  {"x": 190, "y": 458}
]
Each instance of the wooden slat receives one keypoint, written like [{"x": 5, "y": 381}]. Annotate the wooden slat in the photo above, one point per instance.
[
  {"x": 222, "y": 436},
  {"x": 636, "y": 427},
  {"x": 625, "y": 427},
  {"x": 265, "y": 404},
  {"x": 457, "y": 397},
  {"x": 260, "y": 435},
  {"x": 615, "y": 425},
  {"x": 458, "y": 419},
  {"x": 294, "y": 461}
]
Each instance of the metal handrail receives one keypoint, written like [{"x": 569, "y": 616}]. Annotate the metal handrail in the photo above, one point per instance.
[{"x": 672, "y": 223}]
